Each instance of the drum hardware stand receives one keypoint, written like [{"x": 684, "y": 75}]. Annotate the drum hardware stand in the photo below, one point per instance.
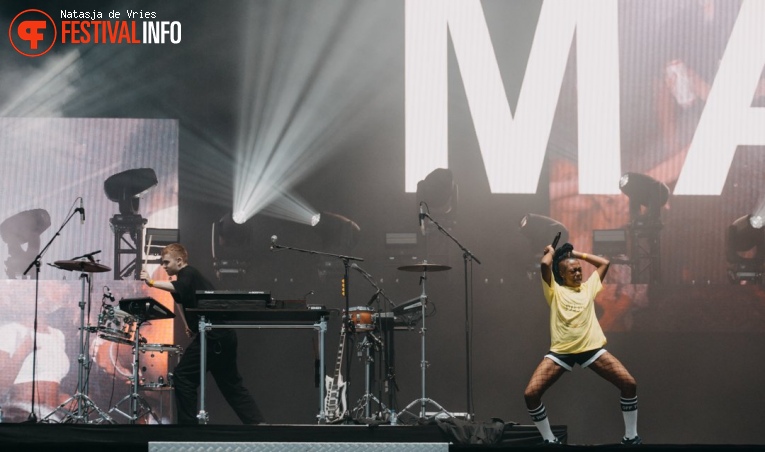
[
  {"x": 385, "y": 325},
  {"x": 366, "y": 400},
  {"x": 423, "y": 401},
  {"x": 139, "y": 407},
  {"x": 85, "y": 404},
  {"x": 391, "y": 387}
]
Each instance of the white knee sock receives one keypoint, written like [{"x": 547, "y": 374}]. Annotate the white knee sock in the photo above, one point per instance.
[
  {"x": 539, "y": 416},
  {"x": 630, "y": 415}
]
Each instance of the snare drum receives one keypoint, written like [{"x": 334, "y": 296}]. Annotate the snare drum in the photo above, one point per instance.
[
  {"x": 115, "y": 325},
  {"x": 362, "y": 318}
]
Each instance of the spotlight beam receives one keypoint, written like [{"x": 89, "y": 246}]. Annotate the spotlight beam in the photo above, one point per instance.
[
  {"x": 291, "y": 207},
  {"x": 302, "y": 88},
  {"x": 44, "y": 92}
]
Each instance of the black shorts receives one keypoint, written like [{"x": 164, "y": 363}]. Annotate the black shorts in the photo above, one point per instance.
[{"x": 567, "y": 360}]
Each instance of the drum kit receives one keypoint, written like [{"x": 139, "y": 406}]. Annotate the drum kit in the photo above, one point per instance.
[
  {"x": 139, "y": 311},
  {"x": 120, "y": 325},
  {"x": 364, "y": 320}
]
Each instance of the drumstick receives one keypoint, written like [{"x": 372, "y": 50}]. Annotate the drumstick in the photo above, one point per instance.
[{"x": 146, "y": 252}]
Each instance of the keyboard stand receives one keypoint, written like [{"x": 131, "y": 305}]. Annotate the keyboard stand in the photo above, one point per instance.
[{"x": 320, "y": 326}]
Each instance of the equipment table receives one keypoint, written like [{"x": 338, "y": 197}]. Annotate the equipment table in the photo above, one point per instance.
[{"x": 315, "y": 319}]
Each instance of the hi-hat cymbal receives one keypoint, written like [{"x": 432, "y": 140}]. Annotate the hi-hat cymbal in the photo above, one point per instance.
[
  {"x": 83, "y": 266},
  {"x": 424, "y": 267}
]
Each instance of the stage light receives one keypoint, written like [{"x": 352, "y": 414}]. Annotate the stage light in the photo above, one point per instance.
[
  {"x": 337, "y": 231},
  {"x": 439, "y": 191},
  {"x": 541, "y": 231},
  {"x": 756, "y": 221},
  {"x": 23, "y": 228},
  {"x": 231, "y": 245},
  {"x": 126, "y": 188},
  {"x": 315, "y": 219},
  {"x": 239, "y": 217},
  {"x": 647, "y": 196},
  {"x": 744, "y": 250}
]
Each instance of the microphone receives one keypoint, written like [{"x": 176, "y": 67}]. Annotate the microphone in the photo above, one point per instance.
[
  {"x": 555, "y": 240},
  {"x": 108, "y": 293},
  {"x": 422, "y": 219},
  {"x": 374, "y": 297},
  {"x": 82, "y": 212}
]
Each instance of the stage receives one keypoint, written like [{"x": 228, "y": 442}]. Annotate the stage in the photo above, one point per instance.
[{"x": 432, "y": 437}]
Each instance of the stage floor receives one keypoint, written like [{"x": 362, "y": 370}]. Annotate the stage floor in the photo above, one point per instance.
[{"x": 133, "y": 438}]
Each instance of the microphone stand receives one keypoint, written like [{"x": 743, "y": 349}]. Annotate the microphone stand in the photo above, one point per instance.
[
  {"x": 348, "y": 326},
  {"x": 467, "y": 256},
  {"x": 36, "y": 263},
  {"x": 371, "y": 281}
]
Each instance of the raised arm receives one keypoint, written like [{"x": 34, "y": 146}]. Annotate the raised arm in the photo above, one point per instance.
[
  {"x": 169, "y": 287},
  {"x": 546, "y": 264},
  {"x": 163, "y": 285},
  {"x": 599, "y": 262}
]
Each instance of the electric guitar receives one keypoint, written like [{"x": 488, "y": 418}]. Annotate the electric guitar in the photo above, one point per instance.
[{"x": 335, "y": 404}]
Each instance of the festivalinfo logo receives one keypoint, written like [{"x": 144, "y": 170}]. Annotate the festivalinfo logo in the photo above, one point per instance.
[{"x": 34, "y": 32}]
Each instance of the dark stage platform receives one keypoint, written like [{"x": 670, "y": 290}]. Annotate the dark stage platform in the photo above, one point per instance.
[{"x": 134, "y": 438}]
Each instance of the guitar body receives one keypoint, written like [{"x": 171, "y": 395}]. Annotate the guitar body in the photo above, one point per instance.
[
  {"x": 335, "y": 406},
  {"x": 335, "y": 403}
]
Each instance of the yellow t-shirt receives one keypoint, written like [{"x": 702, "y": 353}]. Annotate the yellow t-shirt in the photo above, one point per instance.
[{"x": 574, "y": 327}]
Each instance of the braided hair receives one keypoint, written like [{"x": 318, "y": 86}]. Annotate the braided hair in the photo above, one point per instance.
[{"x": 561, "y": 254}]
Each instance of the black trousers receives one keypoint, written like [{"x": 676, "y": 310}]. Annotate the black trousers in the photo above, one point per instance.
[{"x": 221, "y": 363}]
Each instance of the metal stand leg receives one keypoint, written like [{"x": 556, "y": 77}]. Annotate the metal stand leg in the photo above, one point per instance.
[
  {"x": 423, "y": 401},
  {"x": 203, "y": 325},
  {"x": 84, "y": 405},
  {"x": 139, "y": 407},
  {"x": 321, "y": 329},
  {"x": 365, "y": 403}
]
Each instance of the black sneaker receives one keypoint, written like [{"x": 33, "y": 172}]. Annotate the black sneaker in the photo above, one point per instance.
[
  {"x": 555, "y": 441},
  {"x": 632, "y": 441}
]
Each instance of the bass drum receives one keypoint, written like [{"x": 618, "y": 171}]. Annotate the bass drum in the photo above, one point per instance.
[{"x": 155, "y": 365}]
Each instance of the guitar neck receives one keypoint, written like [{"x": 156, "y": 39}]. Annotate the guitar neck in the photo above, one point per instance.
[{"x": 339, "y": 363}]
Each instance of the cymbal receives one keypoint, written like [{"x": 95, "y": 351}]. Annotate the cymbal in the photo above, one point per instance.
[
  {"x": 424, "y": 267},
  {"x": 83, "y": 266}
]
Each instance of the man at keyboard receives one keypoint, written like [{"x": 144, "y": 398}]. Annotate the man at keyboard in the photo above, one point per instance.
[{"x": 221, "y": 344}]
